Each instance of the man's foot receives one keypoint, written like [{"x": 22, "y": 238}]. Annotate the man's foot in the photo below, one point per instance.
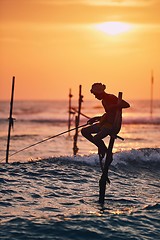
[{"x": 102, "y": 151}]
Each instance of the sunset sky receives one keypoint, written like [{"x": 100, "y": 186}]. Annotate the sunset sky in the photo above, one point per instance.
[{"x": 53, "y": 45}]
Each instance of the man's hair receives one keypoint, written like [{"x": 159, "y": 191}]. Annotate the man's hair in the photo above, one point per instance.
[{"x": 98, "y": 88}]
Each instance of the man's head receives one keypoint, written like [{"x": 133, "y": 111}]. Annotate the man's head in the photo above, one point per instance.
[{"x": 98, "y": 90}]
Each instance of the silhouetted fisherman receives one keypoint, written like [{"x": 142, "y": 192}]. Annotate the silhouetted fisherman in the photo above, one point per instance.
[{"x": 101, "y": 126}]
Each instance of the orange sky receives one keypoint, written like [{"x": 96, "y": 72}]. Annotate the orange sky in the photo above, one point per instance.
[{"x": 53, "y": 45}]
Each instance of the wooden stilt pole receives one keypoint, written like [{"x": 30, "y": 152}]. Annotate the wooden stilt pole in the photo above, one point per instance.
[
  {"x": 69, "y": 111},
  {"x": 151, "y": 101},
  {"x": 104, "y": 178},
  {"x": 75, "y": 138},
  {"x": 10, "y": 120},
  {"x": 77, "y": 120}
]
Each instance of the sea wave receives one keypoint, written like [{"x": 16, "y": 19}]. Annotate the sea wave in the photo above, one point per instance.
[
  {"x": 143, "y": 156},
  {"x": 136, "y": 157},
  {"x": 64, "y": 120},
  {"x": 56, "y": 198},
  {"x": 142, "y": 120}
]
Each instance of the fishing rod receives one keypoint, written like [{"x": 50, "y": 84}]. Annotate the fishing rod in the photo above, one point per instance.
[
  {"x": 44, "y": 140},
  {"x": 75, "y": 110}
]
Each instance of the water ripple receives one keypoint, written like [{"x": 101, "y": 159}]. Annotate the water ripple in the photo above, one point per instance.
[{"x": 58, "y": 200}]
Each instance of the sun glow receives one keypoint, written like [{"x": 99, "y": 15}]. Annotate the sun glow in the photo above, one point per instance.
[{"x": 113, "y": 28}]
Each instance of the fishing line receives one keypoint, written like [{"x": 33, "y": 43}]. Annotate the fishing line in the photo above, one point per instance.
[{"x": 44, "y": 140}]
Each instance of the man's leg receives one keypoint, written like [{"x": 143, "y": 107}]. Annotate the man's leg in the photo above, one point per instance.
[
  {"x": 102, "y": 149},
  {"x": 88, "y": 131},
  {"x": 97, "y": 139}
]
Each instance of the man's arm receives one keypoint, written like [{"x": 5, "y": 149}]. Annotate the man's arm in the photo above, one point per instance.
[
  {"x": 123, "y": 104},
  {"x": 94, "y": 119}
]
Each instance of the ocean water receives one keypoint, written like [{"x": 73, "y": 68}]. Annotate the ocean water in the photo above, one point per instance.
[{"x": 48, "y": 193}]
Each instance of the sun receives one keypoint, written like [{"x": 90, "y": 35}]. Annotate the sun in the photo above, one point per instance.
[{"x": 113, "y": 28}]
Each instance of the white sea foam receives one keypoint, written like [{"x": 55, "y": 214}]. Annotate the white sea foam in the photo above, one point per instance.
[{"x": 141, "y": 156}]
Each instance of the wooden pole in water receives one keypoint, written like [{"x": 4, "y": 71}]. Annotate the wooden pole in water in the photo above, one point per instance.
[
  {"x": 69, "y": 111},
  {"x": 10, "y": 120},
  {"x": 75, "y": 138},
  {"x": 77, "y": 120},
  {"x": 104, "y": 178},
  {"x": 151, "y": 101}
]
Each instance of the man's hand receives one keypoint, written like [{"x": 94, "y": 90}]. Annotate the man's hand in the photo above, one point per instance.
[{"x": 92, "y": 120}]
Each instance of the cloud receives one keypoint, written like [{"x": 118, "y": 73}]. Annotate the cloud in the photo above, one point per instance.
[
  {"x": 138, "y": 3},
  {"x": 115, "y": 3}
]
